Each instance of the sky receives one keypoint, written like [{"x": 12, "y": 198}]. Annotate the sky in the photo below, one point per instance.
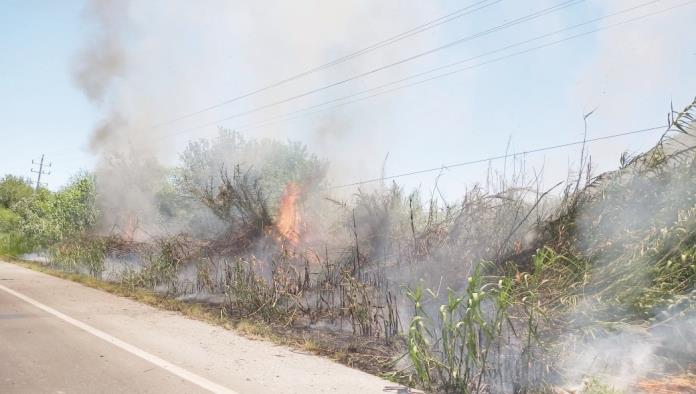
[{"x": 71, "y": 67}]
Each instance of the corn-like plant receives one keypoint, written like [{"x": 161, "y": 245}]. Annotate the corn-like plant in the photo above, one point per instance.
[{"x": 489, "y": 334}]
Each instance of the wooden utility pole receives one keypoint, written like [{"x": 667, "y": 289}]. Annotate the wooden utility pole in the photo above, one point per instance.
[{"x": 40, "y": 171}]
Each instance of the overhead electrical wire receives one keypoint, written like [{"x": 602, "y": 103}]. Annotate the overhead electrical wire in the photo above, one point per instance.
[
  {"x": 461, "y": 12},
  {"x": 379, "y": 89},
  {"x": 492, "y": 158},
  {"x": 526, "y": 18},
  {"x": 436, "y": 22},
  {"x": 467, "y": 68}
]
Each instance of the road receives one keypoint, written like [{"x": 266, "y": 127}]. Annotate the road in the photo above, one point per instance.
[{"x": 58, "y": 336}]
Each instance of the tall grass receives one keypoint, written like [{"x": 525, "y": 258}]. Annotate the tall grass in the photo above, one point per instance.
[
  {"x": 492, "y": 335},
  {"x": 79, "y": 255},
  {"x": 487, "y": 287},
  {"x": 13, "y": 244}
]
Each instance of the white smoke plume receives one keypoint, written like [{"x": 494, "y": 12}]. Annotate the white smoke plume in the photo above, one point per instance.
[{"x": 150, "y": 62}]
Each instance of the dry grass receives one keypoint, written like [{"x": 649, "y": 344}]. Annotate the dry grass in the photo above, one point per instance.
[
  {"x": 685, "y": 383},
  {"x": 483, "y": 328}
]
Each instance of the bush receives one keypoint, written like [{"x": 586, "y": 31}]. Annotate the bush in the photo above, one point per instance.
[
  {"x": 48, "y": 217},
  {"x": 11, "y": 241},
  {"x": 14, "y": 189},
  {"x": 230, "y": 172}
]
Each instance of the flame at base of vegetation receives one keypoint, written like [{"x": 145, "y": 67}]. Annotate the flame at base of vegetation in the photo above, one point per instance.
[
  {"x": 288, "y": 220},
  {"x": 685, "y": 383},
  {"x": 130, "y": 227}
]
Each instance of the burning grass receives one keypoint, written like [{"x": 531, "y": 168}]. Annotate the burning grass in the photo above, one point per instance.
[
  {"x": 684, "y": 383},
  {"x": 512, "y": 289}
]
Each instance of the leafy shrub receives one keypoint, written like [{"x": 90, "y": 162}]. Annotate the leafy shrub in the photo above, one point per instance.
[
  {"x": 260, "y": 170},
  {"x": 14, "y": 189},
  {"x": 11, "y": 241},
  {"x": 48, "y": 218}
]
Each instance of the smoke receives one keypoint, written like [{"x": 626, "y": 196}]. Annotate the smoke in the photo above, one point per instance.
[
  {"x": 103, "y": 59},
  {"x": 625, "y": 55},
  {"x": 633, "y": 226},
  {"x": 158, "y": 63},
  {"x": 625, "y": 355},
  {"x": 149, "y": 62},
  {"x": 146, "y": 63},
  {"x": 636, "y": 69}
]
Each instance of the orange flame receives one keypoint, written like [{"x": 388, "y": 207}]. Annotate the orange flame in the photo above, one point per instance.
[
  {"x": 130, "y": 227},
  {"x": 288, "y": 221}
]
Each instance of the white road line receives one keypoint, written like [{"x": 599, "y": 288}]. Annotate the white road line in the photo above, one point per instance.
[{"x": 166, "y": 365}]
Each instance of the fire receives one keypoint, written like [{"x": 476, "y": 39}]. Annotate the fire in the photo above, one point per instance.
[
  {"x": 288, "y": 221},
  {"x": 130, "y": 227}
]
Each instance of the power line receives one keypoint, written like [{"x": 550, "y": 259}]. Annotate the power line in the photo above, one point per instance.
[
  {"x": 492, "y": 158},
  {"x": 503, "y": 26},
  {"x": 379, "y": 91},
  {"x": 299, "y": 113},
  {"x": 470, "y": 9},
  {"x": 40, "y": 171},
  {"x": 381, "y": 43}
]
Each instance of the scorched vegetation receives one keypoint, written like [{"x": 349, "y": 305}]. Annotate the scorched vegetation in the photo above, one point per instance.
[{"x": 582, "y": 287}]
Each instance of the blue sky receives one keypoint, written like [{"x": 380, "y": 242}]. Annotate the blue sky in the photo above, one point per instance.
[
  {"x": 40, "y": 108},
  {"x": 180, "y": 57}
]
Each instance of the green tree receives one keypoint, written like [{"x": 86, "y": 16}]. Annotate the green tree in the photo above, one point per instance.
[
  {"x": 231, "y": 174},
  {"x": 14, "y": 189},
  {"x": 50, "y": 217}
]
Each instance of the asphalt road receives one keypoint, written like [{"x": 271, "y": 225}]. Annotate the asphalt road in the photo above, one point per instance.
[{"x": 58, "y": 336}]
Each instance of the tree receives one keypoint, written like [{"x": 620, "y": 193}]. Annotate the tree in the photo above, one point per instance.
[
  {"x": 14, "y": 189},
  {"x": 241, "y": 180},
  {"x": 49, "y": 217}
]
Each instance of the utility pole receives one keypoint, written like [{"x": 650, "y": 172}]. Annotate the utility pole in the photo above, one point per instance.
[{"x": 40, "y": 171}]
